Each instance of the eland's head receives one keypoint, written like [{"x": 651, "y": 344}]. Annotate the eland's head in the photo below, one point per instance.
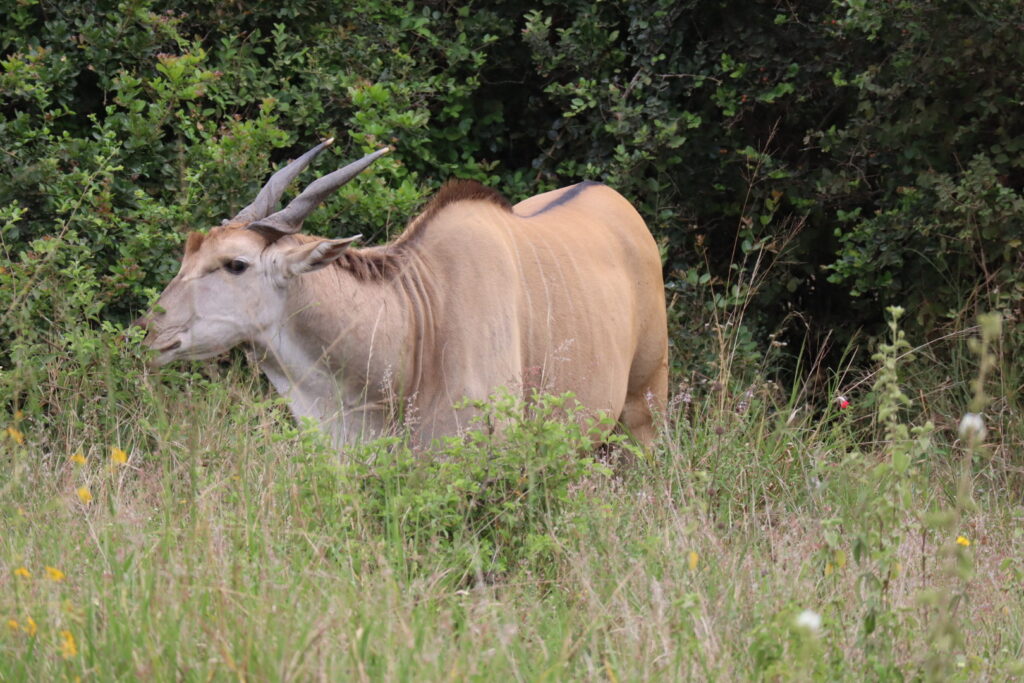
[{"x": 233, "y": 280}]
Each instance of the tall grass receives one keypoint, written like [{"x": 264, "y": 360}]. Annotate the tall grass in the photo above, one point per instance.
[{"x": 234, "y": 544}]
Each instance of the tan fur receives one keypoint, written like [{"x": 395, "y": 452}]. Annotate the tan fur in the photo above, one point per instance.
[{"x": 562, "y": 292}]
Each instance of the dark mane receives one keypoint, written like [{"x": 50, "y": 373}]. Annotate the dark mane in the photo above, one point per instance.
[
  {"x": 453, "y": 191},
  {"x": 378, "y": 263}
]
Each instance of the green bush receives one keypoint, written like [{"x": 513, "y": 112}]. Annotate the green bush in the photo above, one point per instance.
[
  {"x": 811, "y": 163},
  {"x": 496, "y": 501},
  {"x": 930, "y": 201}
]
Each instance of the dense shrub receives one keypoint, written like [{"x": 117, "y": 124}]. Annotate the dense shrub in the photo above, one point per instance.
[
  {"x": 495, "y": 501},
  {"x": 809, "y": 162}
]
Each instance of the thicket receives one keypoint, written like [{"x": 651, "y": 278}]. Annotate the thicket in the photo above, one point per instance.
[{"x": 810, "y": 162}]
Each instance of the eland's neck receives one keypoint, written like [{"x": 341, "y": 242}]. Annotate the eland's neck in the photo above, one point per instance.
[{"x": 346, "y": 352}]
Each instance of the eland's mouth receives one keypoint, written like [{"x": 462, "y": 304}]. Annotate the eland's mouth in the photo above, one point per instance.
[
  {"x": 170, "y": 347},
  {"x": 162, "y": 355}
]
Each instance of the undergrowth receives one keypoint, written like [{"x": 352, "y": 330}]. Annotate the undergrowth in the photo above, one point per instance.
[{"x": 181, "y": 526}]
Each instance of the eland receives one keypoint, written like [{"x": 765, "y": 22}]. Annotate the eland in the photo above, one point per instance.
[{"x": 562, "y": 292}]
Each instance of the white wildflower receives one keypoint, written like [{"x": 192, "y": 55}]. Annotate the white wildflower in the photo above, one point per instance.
[
  {"x": 809, "y": 619},
  {"x": 972, "y": 428}
]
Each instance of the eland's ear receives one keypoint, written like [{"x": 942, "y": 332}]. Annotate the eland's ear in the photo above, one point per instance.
[{"x": 314, "y": 255}]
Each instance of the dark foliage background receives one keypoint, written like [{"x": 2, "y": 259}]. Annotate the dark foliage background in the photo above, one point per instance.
[{"x": 804, "y": 163}]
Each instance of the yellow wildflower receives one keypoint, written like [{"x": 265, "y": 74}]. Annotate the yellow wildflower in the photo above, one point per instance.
[
  {"x": 68, "y": 649},
  {"x": 840, "y": 558},
  {"x": 78, "y": 458},
  {"x": 19, "y": 416},
  {"x": 54, "y": 574},
  {"x": 828, "y": 569},
  {"x": 23, "y": 573},
  {"x": 30, "y": 626},
  {"x": 118, "y": 456},
  {"x": 13, "y": 624},
  {"x": 693, "y": 559},
  {"x": 16, "y": 434},
  {"x": 964, "y": 541},
  {"x": 84, "y": 495}
]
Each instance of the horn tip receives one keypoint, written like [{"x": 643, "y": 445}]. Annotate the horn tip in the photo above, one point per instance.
[{"x": 328, "y": 142}]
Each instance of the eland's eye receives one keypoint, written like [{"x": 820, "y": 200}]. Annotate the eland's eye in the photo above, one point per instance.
[{"x": 236, "y": 266}]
